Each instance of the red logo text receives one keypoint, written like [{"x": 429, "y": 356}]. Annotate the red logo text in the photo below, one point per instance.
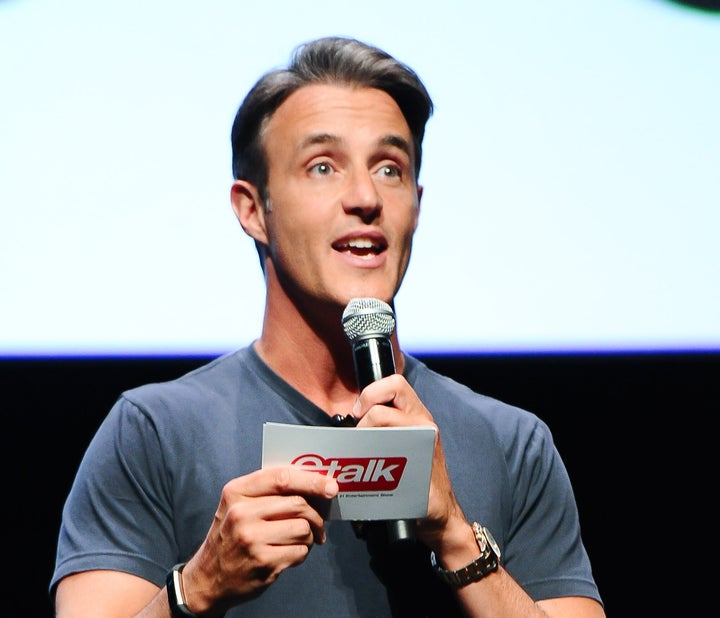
[{"x": 357, "y": 473}]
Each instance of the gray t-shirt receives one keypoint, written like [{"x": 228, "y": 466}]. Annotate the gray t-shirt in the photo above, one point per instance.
[{"x": 149, "y": 484}]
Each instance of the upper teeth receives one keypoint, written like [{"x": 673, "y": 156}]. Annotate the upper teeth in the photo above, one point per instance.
[{"x": 361, "y": 243}]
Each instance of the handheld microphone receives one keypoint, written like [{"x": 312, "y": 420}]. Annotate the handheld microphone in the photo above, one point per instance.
[{"x": 368, "y": 324}]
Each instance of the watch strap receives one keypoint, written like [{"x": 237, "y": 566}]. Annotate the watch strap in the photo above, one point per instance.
[
  {"x": 486, "y": 563},
  {"x": 176, "y": 598}
]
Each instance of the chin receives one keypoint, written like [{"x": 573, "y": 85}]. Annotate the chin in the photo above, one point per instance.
[
  {"x": 366, "y": 289},
  {"x": 370, "y": 293}
]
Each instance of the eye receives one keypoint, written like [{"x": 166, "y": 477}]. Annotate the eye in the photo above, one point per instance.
[
  {"x": 390, "y": 172},
  {"x": 321, "y": 169}
]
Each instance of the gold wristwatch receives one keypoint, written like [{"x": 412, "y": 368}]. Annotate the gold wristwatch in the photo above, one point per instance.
[{"x": 488, "y": 561}]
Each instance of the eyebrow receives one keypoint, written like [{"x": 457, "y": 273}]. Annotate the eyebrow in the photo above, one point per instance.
[
  {"x": 330, "y": 138},
  {"x": 319, "y": 138},
  {"x": 398, "y": 142}
]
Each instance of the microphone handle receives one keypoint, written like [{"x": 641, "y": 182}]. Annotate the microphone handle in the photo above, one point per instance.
[{"x": 374, "y": 359}]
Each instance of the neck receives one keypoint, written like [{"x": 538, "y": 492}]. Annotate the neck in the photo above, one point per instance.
[{"x": 311, "y": 352}]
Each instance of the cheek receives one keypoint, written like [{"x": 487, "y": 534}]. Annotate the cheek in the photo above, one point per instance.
[
  {"x": 408, "y": 225},
  {"x": 291, "y": 240}
]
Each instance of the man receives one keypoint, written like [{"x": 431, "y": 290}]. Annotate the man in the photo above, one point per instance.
[{"x": 326, "y": 157}]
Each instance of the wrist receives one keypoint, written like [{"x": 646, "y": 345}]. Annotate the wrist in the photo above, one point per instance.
[
  {"x": 176, "y": 593},
  {"x": 457, "y": 546},
  {"x": 487, "y": 562}
]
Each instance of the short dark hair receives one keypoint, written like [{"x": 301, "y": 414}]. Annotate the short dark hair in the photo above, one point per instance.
[{"x": 329, "y": 60}]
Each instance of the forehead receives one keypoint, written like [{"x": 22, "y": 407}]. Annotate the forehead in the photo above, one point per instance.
[{"x": 335, "y": 108}]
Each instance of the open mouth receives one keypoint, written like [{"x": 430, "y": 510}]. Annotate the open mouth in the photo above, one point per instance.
[{"x": 360, "y": 247}]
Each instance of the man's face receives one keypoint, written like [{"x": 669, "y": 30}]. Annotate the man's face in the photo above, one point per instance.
[{"x": 343, "y": 196}]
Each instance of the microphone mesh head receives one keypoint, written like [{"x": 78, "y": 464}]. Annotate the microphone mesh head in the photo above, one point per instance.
[{"x": 367, "y": 317}]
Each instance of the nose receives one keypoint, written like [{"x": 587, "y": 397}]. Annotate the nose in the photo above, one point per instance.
[{"x": 361, "y": 197}]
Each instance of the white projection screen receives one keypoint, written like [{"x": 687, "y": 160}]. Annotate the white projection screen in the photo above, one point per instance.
[{"x": 571, "y": 173}]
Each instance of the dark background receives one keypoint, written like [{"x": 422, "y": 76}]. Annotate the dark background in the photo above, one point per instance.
[{"x": 623, "y": 423}]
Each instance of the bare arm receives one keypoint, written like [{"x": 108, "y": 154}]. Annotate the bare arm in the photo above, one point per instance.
[
  {"x": 446, "y": 530},
  {"x": 105, "y": 593},
  {"x": 262, "y": 526},
  {"x": 498, "y": 595}
]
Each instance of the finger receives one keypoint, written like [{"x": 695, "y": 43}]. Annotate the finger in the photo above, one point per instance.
[
  {"x": 381, "y": 392},
  {"x": 284, "y": 509},
  {"x": 278, "y": 532},
  {"x": 390, "y": 402},
  {"x": 296, "y": 531},
  {"x": 270, "y": 560},
  {"x": 283, "y": 480},
  {"x": 262, "y": 562},
  {"x": 262, "y": 496}
]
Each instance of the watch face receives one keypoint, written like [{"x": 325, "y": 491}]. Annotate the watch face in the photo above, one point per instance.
[{"x": 492, "y": 541}]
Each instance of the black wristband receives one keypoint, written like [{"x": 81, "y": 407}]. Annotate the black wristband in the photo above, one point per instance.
[{"x": 173, "y": 583}]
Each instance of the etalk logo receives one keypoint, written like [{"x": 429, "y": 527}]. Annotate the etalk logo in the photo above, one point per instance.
[{"x": 358, "y": 473}]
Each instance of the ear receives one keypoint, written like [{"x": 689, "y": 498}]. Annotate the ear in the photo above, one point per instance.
[
  {"x": 417, "y": 210},
  {"x": 249, "y": 210}
]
